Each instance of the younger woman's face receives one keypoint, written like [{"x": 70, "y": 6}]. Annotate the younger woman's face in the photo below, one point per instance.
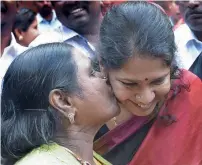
[
  {"x": 140, "y": 84},
  {"x": 31, "y": 33}
]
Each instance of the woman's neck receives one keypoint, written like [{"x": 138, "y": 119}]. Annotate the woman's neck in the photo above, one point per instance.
[
  {"x": 79, "y": 141},
  {"x": 121, "y": 118},
  {"x": 91, "y": 32}
]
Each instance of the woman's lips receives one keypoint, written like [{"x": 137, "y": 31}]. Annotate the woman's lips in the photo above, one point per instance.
[{"x": 144, "y": 107}]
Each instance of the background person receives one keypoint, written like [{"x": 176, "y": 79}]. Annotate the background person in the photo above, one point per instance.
[
  {"x": 189, "y": 36},
  {"x": 25, "y": 27},
  {"x": 9, "y": 47},
  {"x": 46, "y": 17}
]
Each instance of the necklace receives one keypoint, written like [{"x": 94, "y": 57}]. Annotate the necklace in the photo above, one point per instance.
[
  {"x": 78, "y": 158},
  {"x": 115, "y": 121},
  {"x": 70, "y": 152}
]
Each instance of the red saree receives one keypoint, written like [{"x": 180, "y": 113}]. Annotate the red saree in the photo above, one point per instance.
[{"x": 179, "y": 143}]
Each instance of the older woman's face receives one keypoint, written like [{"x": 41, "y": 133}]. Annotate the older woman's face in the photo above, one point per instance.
[
  {"x": 140, "y": 84},
  {"x": 97, "y": 104}
]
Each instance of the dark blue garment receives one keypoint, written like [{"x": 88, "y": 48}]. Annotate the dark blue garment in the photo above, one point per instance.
[
  {"x": 196, "y": 67},
  {"x": 80, "y": 42}
]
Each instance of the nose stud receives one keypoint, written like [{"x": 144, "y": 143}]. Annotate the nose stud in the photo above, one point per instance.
[{"x": 138, "y": 96}]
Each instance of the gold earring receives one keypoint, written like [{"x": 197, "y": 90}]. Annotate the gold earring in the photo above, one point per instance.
[
  {"x": 71, "y": 118},
  {"x": 20, "y": 38}
]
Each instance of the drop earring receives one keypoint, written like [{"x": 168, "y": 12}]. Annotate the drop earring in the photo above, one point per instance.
[{"x": 71, "y": 118}]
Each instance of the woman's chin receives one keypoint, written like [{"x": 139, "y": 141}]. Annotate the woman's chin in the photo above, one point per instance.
[{"x": 138, "y": 111}]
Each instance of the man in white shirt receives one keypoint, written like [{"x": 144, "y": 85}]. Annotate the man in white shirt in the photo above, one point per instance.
[
  {"x": 46, "y": 16},
  {"x": 9, "y": 47},
  {"x": 80, "y": 23},
  {"x": 189, "y": 35}
]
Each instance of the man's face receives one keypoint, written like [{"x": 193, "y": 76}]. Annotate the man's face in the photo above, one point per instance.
[
  {"x": 77, "y": 14},
  {"x": 192, "y": 13},
  {"x": 44, "y": 8},
  {"x": 8, "y": 12}
]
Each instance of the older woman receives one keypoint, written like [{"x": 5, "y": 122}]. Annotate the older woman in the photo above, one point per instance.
[
  {"x": 52, "y": 106},
  {"x": 161, "y": 118}
]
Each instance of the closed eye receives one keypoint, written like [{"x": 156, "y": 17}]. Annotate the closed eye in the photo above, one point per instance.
[
  {"x": 129, "y": 84},
  {"x": 158, "y": 81}
]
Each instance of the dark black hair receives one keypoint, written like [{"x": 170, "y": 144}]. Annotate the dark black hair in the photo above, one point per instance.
[
  {"x": 28, "y": 120},
  {"x": 138, "y": 29},
  {"x": 24, "y": 18}
]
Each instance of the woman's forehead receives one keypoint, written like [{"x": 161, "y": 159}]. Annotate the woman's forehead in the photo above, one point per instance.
[
  {"x": 142, "y": 68},
  {"x": 141, "y": 64}
]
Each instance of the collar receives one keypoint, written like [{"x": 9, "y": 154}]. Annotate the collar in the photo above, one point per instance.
[
  {"x": 13, "y": 40},
  {"x": 40, "y": 19},
  {"x": 66, "y": 33},
  {"x": 188, "y": 35},
  {"x": 10, "y": 47}
]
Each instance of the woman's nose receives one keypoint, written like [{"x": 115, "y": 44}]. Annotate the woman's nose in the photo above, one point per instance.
[{"x": 145, "y": 97}]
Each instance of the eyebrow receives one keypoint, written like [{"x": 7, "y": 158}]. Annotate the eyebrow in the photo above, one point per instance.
[{"x": 155, "y": 79}]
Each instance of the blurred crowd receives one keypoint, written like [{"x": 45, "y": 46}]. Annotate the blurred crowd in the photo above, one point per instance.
[
  {"x": 31, "y": 23},
  {"x": 36, "y": 17}
]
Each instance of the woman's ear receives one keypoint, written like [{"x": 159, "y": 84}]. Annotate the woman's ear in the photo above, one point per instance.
[
  {"x": 19, "y": 34},
  {"x": 63, "y": 103}
]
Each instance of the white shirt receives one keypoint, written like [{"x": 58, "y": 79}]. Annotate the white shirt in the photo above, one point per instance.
[
  {"x": 9, "y": 54},
  {"x": 189, "y": 47},
  {"x": 44, "y": 25},
  {"x": 46, "y": 37},
  {"x": 66, "y": 34},
  {"x": 61, "y": 34}
]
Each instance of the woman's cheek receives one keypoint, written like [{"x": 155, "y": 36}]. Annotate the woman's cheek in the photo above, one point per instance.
[
  {"x": 163, "y": 90},
  {"x": 122, "y": 93}
]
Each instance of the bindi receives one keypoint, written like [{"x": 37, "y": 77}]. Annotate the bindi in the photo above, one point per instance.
[{"x": 146, "y": 79}]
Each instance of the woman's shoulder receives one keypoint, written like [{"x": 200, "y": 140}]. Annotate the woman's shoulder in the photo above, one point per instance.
[
  {"x": 188, "y": 91},
  {"x": 192, "y": 78},
  {"x": 50, "y": 154},
  {"x": 190, "y": 82}
]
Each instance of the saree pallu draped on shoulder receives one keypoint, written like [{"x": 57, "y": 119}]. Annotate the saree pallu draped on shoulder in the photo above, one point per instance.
[{"x": 118, "y": 134}]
